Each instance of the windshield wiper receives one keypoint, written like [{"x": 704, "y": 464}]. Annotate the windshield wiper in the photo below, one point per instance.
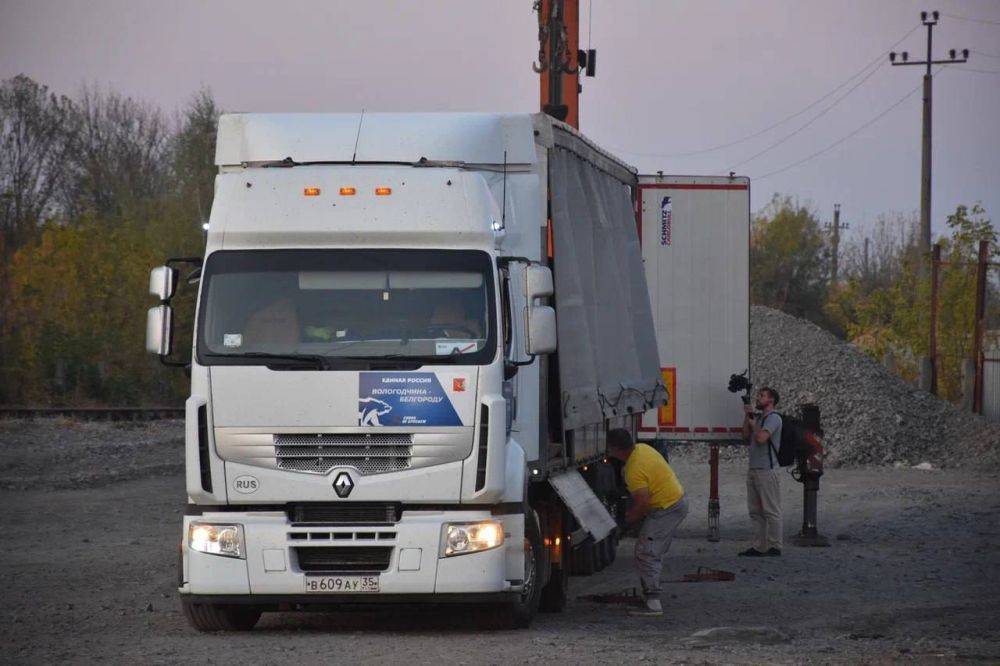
[
  {"x": 319, "y": 362},
  {"x": 430, "y": 359}
]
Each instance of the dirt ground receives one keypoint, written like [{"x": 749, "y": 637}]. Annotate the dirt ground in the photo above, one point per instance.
[{"x": 913, "y": 574}]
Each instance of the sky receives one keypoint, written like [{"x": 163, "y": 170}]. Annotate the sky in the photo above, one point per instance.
[{"x": 673, "y": 77}]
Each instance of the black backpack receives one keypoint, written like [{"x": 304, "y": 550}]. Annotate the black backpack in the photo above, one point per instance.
[{"x": 794, "y": 446}]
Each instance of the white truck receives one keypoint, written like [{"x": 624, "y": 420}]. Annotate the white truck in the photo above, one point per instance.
[{"x": 412, "y": 332}]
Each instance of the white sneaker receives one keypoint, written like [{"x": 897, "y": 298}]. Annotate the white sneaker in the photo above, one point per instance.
[{"x": 649, "y": 608}]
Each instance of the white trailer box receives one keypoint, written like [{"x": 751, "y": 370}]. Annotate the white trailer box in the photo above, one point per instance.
[{"x": 695, "y": 235}]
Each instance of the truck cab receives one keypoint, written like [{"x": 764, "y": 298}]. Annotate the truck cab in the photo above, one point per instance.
[{"x": 370, "y": 387}]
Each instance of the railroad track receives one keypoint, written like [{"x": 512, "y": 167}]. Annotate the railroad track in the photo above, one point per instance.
[{"x": 94, "y": 413}]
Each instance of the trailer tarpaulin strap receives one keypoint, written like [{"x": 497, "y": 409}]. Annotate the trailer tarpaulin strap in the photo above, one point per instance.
[{"x": 608, "y": 359}]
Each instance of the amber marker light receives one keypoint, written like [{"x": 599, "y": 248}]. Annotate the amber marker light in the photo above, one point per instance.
[
  {"x": 311, "y": 191},
  {"x": 383, "y": 191},
  {"x": 347, "y": 191}
]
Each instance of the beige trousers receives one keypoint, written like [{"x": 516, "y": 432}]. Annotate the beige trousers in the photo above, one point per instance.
[{"x": 764, "y": 504}]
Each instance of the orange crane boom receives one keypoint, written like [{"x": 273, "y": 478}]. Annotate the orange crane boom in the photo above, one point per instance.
[{"x": 558, "y": 60}]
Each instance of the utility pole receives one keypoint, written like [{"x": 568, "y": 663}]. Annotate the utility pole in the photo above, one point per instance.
[
  {"x": 836, "y": 227},
  {"x": 929, "y": 19},
  {"x": 935, "y": 270}
]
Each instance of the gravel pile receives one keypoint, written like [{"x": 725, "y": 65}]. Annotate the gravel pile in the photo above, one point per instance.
[
  {"x": 65, "y": 453},
  {"x": 869, "y": 415}
]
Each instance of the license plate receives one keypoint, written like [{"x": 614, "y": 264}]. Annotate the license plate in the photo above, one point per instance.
[{"x": 341, "y": 584}]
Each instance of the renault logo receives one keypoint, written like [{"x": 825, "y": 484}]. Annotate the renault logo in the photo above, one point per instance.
[{"x": 343, "y": 485}]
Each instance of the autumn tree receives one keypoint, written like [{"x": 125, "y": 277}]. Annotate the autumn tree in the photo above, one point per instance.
[
  {"x": 895, "y": 318},
  {"x": 119, "y": 155},
  {"x": 789, "y": 260},
  {"x": 127, "y": 190},
  {"x": 870, "y": 266},
  {"x": 35, "y": 130},
  {"x": 193, "y": 153}
]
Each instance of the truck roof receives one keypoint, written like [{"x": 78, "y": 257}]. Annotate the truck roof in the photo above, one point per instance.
[
  {"x": 461, "y": 139},
  {"x": 470, "y": 138}
]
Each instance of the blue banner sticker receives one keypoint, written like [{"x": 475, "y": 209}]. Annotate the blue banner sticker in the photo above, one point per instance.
[{"x": 404, "y": 398}]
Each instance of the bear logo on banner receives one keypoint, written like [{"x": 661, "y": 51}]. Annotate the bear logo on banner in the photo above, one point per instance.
[{"x": 370, "y": 409}]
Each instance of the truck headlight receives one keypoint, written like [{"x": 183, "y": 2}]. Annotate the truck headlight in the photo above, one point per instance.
[
  {"x": 225, "y": 540},
  {"x": 462, "y": 538}
]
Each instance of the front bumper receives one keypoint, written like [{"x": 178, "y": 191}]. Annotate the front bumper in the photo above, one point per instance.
[{"x": 271, "y": 573}]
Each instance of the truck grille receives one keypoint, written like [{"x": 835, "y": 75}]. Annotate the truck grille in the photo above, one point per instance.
[
  {"x": 369, "y": 454},
  {"x": 315, "y": 559},
  {"x": 345, "y": 513}
]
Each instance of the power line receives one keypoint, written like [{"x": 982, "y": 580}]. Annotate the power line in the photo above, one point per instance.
[
  {"x": 978, "y": 71},
  {"x": 810, "y": 122},
  {"x": 877, "y": 60},
  {"x": 984, "y": 53},
  {"x": 843, "y": 138},
  {"x": 972, "y": 20}
]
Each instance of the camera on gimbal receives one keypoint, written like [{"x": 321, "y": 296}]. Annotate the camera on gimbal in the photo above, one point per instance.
[{"x": 741, "y": 382}]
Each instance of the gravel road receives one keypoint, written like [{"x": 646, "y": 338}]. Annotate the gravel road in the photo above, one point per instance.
[{"x": 913, "y": 574}]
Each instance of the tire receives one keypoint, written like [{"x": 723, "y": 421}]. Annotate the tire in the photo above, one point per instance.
[
  {"x": 217, "y": 617},
  {"x": 614, "y": 538},
  {"x": 608, "y": 549},
  {"x": 584, "y": 559},
  {"x": 519, "y": 614},
  {"x": 601, "y": 554},
  {"x": 556, "y": 593}
]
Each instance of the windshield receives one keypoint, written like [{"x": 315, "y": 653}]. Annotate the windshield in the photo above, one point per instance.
[{"x": 431, "y": 305}]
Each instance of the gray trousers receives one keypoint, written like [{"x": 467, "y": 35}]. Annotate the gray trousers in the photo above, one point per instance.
[{"x": 655, "y": 537}]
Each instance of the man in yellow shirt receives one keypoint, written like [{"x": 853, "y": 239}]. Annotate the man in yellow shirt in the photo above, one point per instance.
[{"x": 657, "y": 500}]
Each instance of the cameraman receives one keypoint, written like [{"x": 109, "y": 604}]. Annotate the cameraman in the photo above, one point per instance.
[{"x": 763, "y": 433}]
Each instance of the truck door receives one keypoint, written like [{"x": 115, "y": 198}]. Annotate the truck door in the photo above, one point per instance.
[{"x": 695, "y": 236}]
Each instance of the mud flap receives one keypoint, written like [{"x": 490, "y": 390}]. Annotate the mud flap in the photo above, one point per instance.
[{"x": 588, "y": 510}]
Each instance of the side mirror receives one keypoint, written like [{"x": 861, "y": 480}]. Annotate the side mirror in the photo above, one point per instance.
[
  {"x": 537, "y": 282},
  {"x": 158, "y": 327},
  {"x": 540, "y": 328},
  {"x": 162, "y": 281}
]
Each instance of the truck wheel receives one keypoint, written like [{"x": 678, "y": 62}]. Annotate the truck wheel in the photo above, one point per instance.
[
  {"x": 556, "y": 592},
  {"x": 600, "y": 555},
  {"x": 584, "y": 557},
  {"x": 520, "y": 613},
  {"x": 216, "y": 617}
]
